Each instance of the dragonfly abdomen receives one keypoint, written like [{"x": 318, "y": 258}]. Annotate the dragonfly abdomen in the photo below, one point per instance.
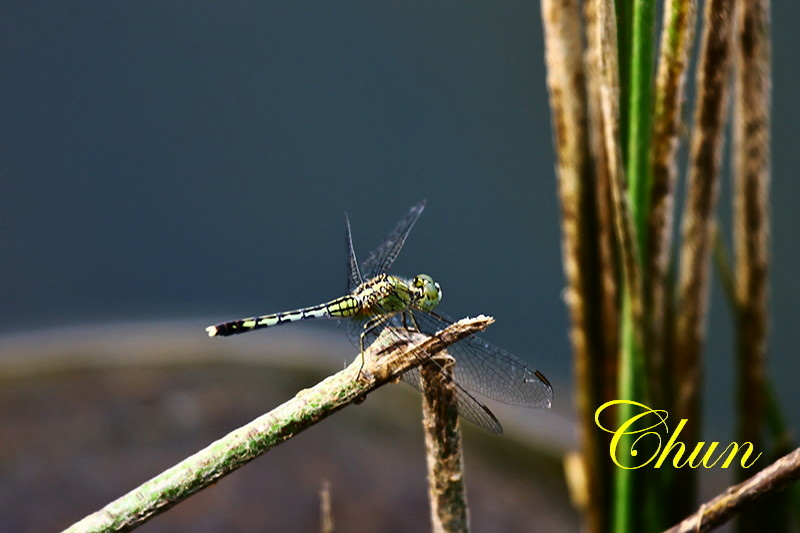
[{"x": 343, "y": 307}]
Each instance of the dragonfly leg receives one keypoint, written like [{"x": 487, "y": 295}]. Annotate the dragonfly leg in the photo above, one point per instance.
[
  {"x": 361, "y": 353},
  {"x": 369, "y": 327},
  {"x": 414, "y": 325},
  {"x": 372, "y": 326}
]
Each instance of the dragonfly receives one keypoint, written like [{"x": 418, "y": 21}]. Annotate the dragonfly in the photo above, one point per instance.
[{"x": 376, "y": 300}]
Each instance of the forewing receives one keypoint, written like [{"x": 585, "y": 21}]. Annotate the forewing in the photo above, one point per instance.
[
  {"x": 376, "y": 263},
  {"x": 491, "y": 371},
  {"x": 384, "y": 255}
]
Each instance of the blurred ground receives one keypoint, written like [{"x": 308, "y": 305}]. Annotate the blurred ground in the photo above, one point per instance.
[{"x": 84, "y": 421}]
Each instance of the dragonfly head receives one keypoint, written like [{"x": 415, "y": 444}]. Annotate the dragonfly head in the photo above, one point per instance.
[{"x": 427, "y": 293}]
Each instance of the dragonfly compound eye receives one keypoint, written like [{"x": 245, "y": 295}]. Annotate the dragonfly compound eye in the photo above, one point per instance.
[{"x": 429, "y": 293}]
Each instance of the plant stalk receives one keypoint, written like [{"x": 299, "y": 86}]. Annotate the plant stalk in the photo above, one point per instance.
[{"x": 447, "y": 491}]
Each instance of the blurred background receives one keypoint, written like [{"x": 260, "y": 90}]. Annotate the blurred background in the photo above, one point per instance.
[{"x": 167, "y": 166}]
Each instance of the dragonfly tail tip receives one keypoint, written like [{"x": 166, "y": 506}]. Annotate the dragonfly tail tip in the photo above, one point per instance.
[{"x": 212, "y": 331}]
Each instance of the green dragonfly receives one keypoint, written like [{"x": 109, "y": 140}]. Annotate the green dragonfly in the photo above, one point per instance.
[{"x": 377, "y": 300}]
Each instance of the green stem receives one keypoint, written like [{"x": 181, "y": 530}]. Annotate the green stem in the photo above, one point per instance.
[
  {"x": 625, "y": 508},
  {"x": 638, "y": 168},
  {"x": 636, "y": 77},
  {"x": 624, "y": 16}
]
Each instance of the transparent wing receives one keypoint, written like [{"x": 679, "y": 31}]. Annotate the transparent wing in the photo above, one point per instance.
[
  {"x": 354, "y": 278},
  {"x": 468, "y": 407},
  {"x": 378, "y": 262},
  {"x": 491, "y": 371},
  {"x": 384, "y": 255}
]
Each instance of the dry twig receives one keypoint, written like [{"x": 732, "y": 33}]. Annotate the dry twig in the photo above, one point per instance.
[
  {"x": 705, "y": 158},
  {"x": 446, "y": 489},
  {"x": 566, "y": 84},
  {"x": 722, "y": 508},
  {"x": 676, "y": 45},
  {"x": 751, "y": 217}
]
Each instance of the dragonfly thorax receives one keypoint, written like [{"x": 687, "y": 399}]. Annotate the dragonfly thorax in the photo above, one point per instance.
[
  {"x": 385, "y": 294},
  {"x": 426, "y": 293}
]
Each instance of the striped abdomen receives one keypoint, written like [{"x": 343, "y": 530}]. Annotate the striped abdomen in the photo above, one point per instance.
[{"x": 345, "y": 306}]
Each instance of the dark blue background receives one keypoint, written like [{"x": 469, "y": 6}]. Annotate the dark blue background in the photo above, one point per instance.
[{"x": 188, "y": 159}]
